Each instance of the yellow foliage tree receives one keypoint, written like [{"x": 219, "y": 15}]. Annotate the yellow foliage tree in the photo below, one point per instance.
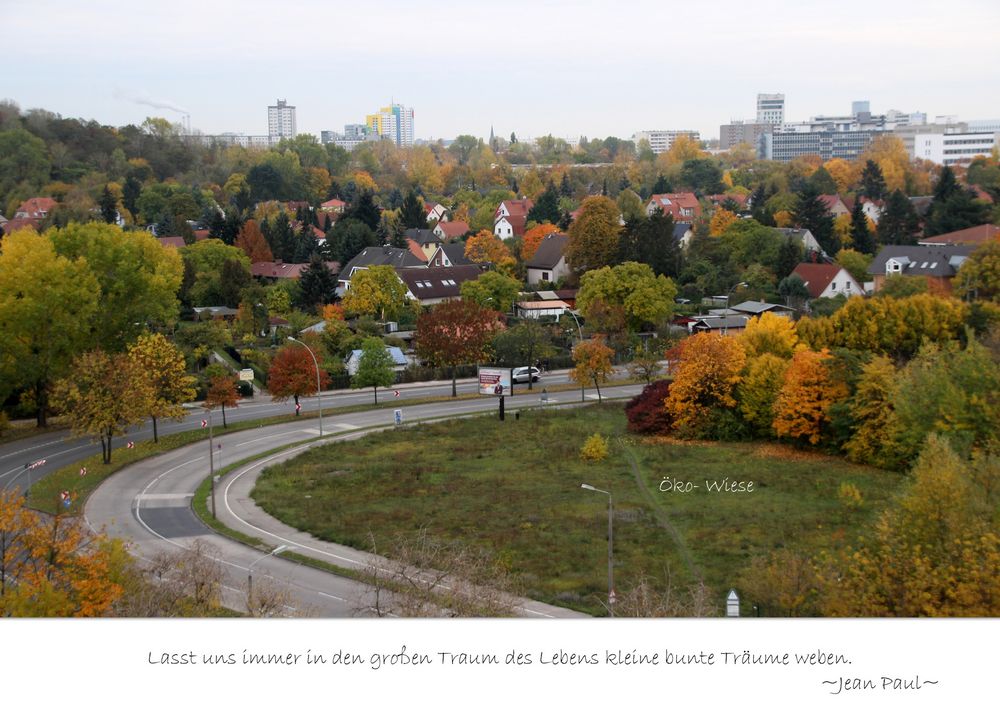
[
  {"x": 845, "y": 174},
  {"x": 769, "y": 334},
  {"x": 484, "y": 247},
  {"x": 872, "y": 414},
  {"x": 807, "y": 392},
  {"x": 708, "y": 370},
  {"x": 783, "y": 218},
  {"x": 593, "y": 363},
  {"x": 364, "y": 181},
  {"x": 758, "y": 391},
  {"x": 721, "y": 220},
  {"x": 889, "y": 152},
  {"x": 683, "y": 148}
]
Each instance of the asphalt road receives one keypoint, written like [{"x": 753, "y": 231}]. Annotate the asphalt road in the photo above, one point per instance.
[{"x": 148, "y": 504}]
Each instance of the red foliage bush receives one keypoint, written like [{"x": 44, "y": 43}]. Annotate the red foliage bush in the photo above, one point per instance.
[{"x": 646, "y": 412}]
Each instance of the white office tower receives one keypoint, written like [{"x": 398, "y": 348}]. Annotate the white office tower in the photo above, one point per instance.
[
  {"x": 280, "y": 121},
  {"x": 771, "y": 108}
]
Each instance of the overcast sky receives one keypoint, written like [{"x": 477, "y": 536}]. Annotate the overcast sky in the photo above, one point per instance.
[{"x": 534, "y": 67}]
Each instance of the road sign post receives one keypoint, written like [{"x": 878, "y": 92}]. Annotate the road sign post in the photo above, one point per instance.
[
  {"x": 398, "y": 416},
  {"x": 733, "y": 604}
]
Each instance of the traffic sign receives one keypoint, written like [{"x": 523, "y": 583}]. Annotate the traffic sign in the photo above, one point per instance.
[
  {"x": 733, "y": 604},
  {"x": 612, "y": 597},
  {"x": 204, "y": 424},
  {"x": 395, "y": 393},
  {"x": 83, "y": 471},
  {"x": 246, "y": 374},
  {"x": 130, "y": 445},
  {"x": 398, "y": 415}
]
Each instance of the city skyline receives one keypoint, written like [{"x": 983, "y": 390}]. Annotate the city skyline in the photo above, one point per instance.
[{"x": 598, "y": 71}]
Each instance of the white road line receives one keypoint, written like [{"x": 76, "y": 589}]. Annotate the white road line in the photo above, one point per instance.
[
  {"x": 331, "y": 596},
  {"x": 258, "y": 439}
]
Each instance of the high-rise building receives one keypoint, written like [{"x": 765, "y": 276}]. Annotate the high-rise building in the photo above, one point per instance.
[
  {"x": 771, "y": 108},
  {"x": 662, "y": 140},
  {"x": 732, "y": 134},
  {"x": 394, "y": 122},
  {"x": 280, "y": 121}
]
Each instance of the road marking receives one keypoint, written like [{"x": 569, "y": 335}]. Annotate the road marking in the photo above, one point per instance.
[
  {"x": 346, "y": 426},
  {"x": 258, "y": 439},
  {"x": 164, "y": 496},
  {"x": 331, "y": 596}
]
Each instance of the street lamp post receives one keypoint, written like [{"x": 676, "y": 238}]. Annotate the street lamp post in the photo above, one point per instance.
[
  {"x": 275, "y": 551},
  {"x": 211, "y": 460},
  {"x": 725, "y": 316},
  {"x": 583, "y": 388},
  {"x": 319, "y": 390},
  {"x": 611, "y": 560}
]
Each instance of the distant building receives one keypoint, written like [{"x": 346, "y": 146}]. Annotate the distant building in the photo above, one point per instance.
[
  {"x": 827, "y": 280},
  {"x": 951, "y": 148},
  {"x": 663, "y": 140},
  {"x": 394, "y": 122},
  {"x": 683, "y": 206},
  {"x": 732, "y": 134},
  {"x": 771, "y": 108},
  {"x": 281, "y": 121},
  {"x": 937, "y": 264},
  {"x": 549, "y": 262}
]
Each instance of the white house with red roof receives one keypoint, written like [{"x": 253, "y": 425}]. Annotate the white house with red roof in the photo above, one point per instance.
[
  {"x": 446, "y": 230},
  {"x": 683, "y": 206},
  {"x": 30, "y": 214},
  {"x": 827, "y": 280},
  {"x": 435, "y": 212},
  {"x": 335, "y": 206},
  {"x": 834, "y": 204}
]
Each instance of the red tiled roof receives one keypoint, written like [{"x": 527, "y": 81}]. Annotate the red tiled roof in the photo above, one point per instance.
[
  {"x": 453, "y": 229},
  {"x": 416, "y": 249},
  {"x": 333, "y": 204},
  {"x": 816, "y": 276},
  {"x": 201, "y": 234},
  {"x": 972, "y": 236},
  {"x": 172, "y": 242},
  {"x": 519, "y": 207},
  {"x": 517, "y": 223},
  {"x": 286, "y": 271},
  {"x": 36, "y": 207},
  {"x": 831, "y": 201},
  {"x": 673, "y": 203},
  {"x": 16, "y": 224}
]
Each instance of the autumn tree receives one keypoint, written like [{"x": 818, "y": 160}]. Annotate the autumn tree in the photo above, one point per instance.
[
  {"x": 533, "y": 238},
  {"x": 592, "y": 363},
  {"x": 708, "y": 370},
  {"x": 47, "y": 304},
  {"x": 758, "y": 391},
  {"x": 492, "y": 290},
  {"x": 293, "y": 374},
  {"x": 375, "y": 368},
  {"x": 456, "y": 333},
  {"x": 801, "y": 410},
  {"x": 104, "y": 396},
  {"x": 162, "y": 363},
  {"x": 721, "y": 220},
  {"x": 252, "y": 242},
  {"x": 645, "y": 298},
  {"x": 979, "y": 276},
  {"x": 376, "y": 292},
  {"x": 873, "y": 415},
  {"x": 769, "y": 334},
  {"x": 222, "y": 390},
  {"x": 647, "y": 412},
  {"x": 593, "y": 236},
  {"x": 484, "y": 247}
]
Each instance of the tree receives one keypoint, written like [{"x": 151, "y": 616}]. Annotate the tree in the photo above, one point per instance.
[
  {"x": 375, "y": 368},
  {"x": 204, "y": 271},
  {"x": 53, "y": 566},
  {"x": 721, "y": 220},
  {"x": 793, "y": 289},
  {"x": 47, "y": 305},
  {"x": 647, "y": 412},
  {"x": 222, "y": 392},
  {"x": 854, "y": 262},
  {"x": 954, "y": 208},
  {"x": 454, "y": 333},
  {"x": 523, "y": 344},
  {"x": 105, "y": 395},
  {"x": 484, "y": 247},
  {"x": 758, "y": 391},
  {"x": 592, "y": 359},
  {"x": 769, "y": 334},
  {"x": 594, "y": 235},
  {"x": 23, "y": 161},
  {"x": 861, "y": 235},
  {"x": 349, "y": 237},
  {"x": 411, "y": 213},
  {"x": 546, "y": 208},
  {"x": 109, "y": 205},
  {"x": 872, "y": 181},
  {"x": 138, "y": 278},
  {"x": 708, "y": 370},
  {"x": 651, "y": 240},
  {"x": 376, "y": 292},
  {"x": 979, "y": 276},
  {"x": 646, "y": 299},
  {"x": 293, "y": 374},
  {"x": 317, "y": 285},
  {"x": 802, "y": 408},
  {"x": 789, "y": 256},
  {"x": 492, "y": 290},
  {"x": 533, "y": 238},
  {"x": 363, "y": 209},
  {"x": 899, "y": 221},
  {"x": 873, "y": 415},
  {"x": 252, "y": 242},
  {"x": 163, "y": 365},
  {"x": 811, "y": 213}
]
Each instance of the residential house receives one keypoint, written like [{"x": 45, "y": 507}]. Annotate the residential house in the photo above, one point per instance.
[
  {"x": 938, "y": 264},
  {"x": 514, "y": 207},
  {"x": 435, "y": 212},
  {"x": 172, "y": 242},
  {"x": 446, "y": 230},
  {"x": 977, "y": 235},
  {"x": 30, "y": 214},
  {"x": 730, "y": 325},
  {"x": 827, "y": 280},
  {"x": 739, "y": 199},
  {"x": 834, "y": 204},
  {"x": 376, "y": 255},
  {"x": 510, "y": 218},
  {"x": 208, "y": 313},
  {"x": 333, "y": 206},
  {"x": 399, "y": 360},
  {"x": 422, "y": 242},
  {"x": 430, "y": 286},
  {"x": 870, "y": 208},
  {"x": 448, "y": 254},
  {"x": 545, "y": 308},
  {"x": 683, "y": 233},
  {"x": 279, "y": 270},
  {"x": 805, "y": 237},
  {"x": 683, "y": 206},
  {"x": 756, "y": 309},
  {"x": 549, "y": 262}
]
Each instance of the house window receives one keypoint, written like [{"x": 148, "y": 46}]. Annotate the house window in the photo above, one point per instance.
[
  {"x": 545, "y": 275},
  {"x": 833, "y": 286},
  {"x": 847, "y": 285}
]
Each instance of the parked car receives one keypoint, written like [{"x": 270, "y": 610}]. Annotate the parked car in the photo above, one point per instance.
[{"x": 521, "y": 375}]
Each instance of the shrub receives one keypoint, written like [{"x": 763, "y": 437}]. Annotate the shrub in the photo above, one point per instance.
[
  {"x": 595, "y": 448},
  {"x": 850, "y": 496},
  {"x": 647, "y": 414}
]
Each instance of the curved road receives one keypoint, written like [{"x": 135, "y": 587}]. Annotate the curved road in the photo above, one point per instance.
[{"x": 149, "y": 505}]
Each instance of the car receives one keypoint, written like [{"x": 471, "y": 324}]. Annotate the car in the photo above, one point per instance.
[{"x": 521, "y": 375}]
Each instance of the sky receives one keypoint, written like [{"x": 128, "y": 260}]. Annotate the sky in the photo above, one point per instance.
[{"x": 538, "y": 67}]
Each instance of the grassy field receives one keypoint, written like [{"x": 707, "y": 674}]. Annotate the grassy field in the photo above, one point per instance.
[{"x": 513, "y": 488}]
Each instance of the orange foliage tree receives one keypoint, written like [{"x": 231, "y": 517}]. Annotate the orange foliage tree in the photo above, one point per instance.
[
  {"x": 721, "y": 220},
  {"x": 708, "y": 370},
  {"x": 293, "y": 374},
  {"x": 533, "y": 238},
  {"x": 222, "y": 392},
  {"x": 593, "y": 363},
  {"x": 807, "y": 392},
  {"x": 253, "y": 243},
  {"x": 484, "y": 247}
]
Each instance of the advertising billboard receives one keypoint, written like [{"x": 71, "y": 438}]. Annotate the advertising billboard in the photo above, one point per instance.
[{"x": 495, "y": 382}]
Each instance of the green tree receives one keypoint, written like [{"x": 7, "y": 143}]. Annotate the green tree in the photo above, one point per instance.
[
  {"x": 979, "y": 276},
  {"x": 651, "y": 241},
  {"x": 860, "y": 235},
  {"x": 523, "y": 344},
  {"x": 47, "y": 307},
  {"x": 109, "y": 205},
  {"x": 492, "y": 290},
  {"x": 899, "y": 221},
  {"x": 317, "y": 285},
  {"x": 376, "y": 292},
  {"x": 811, "y": 213},
  {"x": 647, "y": 299},
  {"x": 872, "y": 415},
  {"x": 546, "y": 208},
  {"x": 375, "y": 368},
  {"x": 204, "y": 264},
  {"x": 953, "y": 207},
  {"x": 854, "y": 262},
  {"x": 758, "y": 391},
  {"x": 593, "y": 236},
  {"x": 823, "y": 181},
  {"x": 412, "y": 212},
  {"x": 872, "y": 181},
  {"x": 162, "y": 364},
  {"x": 788, "y": 257},
  {"x": 23, "y": 161}
]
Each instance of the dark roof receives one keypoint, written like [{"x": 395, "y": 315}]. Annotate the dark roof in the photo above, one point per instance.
[
  {"x": 456, "y": 253},
  {"x": 550, "y": 250},
  {"x": 680, "y": 230},
  {"x": 434, "y": 283},
  {"x": 713, "y": 323},
  {"x": 933, "y": 261},
  {"x": 422, "y": 236},
  {"x": 976, "y": 235},
  {"x": 384, "y": 255}
]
